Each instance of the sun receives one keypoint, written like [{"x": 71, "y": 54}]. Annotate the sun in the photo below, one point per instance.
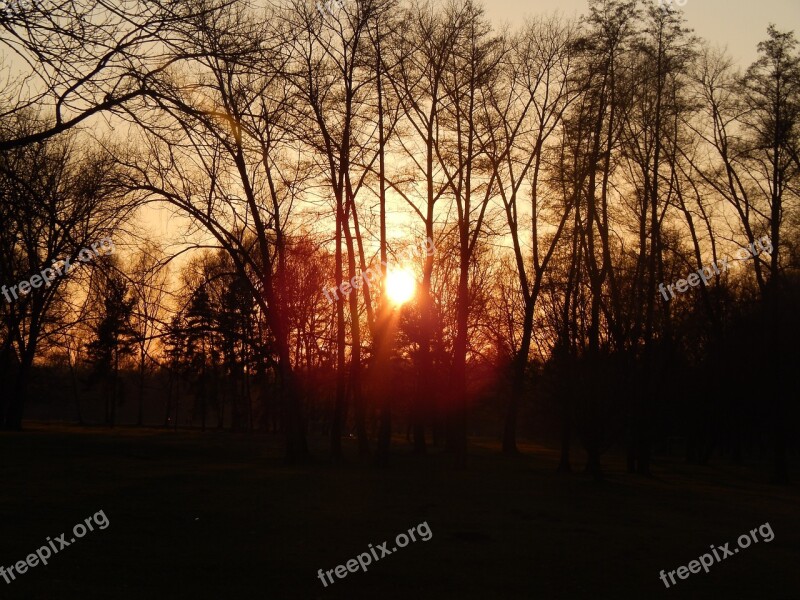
[{"x": 400, "y": 286}]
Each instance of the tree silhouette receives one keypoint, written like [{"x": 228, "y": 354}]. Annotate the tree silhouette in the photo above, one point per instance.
[{"x": 115, "y": 338}]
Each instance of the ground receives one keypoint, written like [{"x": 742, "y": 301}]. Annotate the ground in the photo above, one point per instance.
[{"x": 218, "y": 515}]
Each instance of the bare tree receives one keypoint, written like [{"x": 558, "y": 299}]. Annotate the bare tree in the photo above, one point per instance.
[
  {"x": 57, "y": 200},
  {"x": 528, "y": 108},
  {"x": 86, "y": 58},
  {"x": 148, "y": 281},
  {"x": 235, "y": 121}
]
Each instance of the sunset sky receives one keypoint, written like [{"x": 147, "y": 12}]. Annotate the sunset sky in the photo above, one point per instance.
[{"x": 737, "y": 25}]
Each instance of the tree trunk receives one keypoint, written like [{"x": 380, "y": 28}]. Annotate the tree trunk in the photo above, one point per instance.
[
  {"x": 140, "y": 416},
  {"x": 518, "y": 383}
]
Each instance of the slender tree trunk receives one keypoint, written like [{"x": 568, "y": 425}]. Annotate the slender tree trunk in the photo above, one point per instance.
[
  {"x": 383, "y": 377},
  {"x": 339, "y": 408},
  {"x": 140, "y": 416},
  {"x": 114, "y": 385},
  {"x": 459, "y": 384},
  {"x": 518, "y": 383},
  {"x": 169, "y": 401},
  {"x": 75, "y": 392},
  {"x": 18, "y": 396}
]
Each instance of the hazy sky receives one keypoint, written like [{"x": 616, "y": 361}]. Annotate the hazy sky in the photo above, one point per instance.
[{"x": 739, "y": 24}]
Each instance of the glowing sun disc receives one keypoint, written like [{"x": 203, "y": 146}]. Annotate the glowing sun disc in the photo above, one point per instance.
[{"x": 400, "y": 286}]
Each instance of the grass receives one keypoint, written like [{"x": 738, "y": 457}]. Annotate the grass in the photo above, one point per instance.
[{"x": 218, "y": 515}]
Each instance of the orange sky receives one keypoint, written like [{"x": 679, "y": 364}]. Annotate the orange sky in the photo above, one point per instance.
[{"x": 739, "y": 24}]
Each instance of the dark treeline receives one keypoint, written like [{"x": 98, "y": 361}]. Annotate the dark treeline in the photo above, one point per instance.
[{"x": 613, "y": 206}]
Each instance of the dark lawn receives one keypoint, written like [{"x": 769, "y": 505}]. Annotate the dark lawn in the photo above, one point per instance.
[{"x": 218, "y": 515}]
